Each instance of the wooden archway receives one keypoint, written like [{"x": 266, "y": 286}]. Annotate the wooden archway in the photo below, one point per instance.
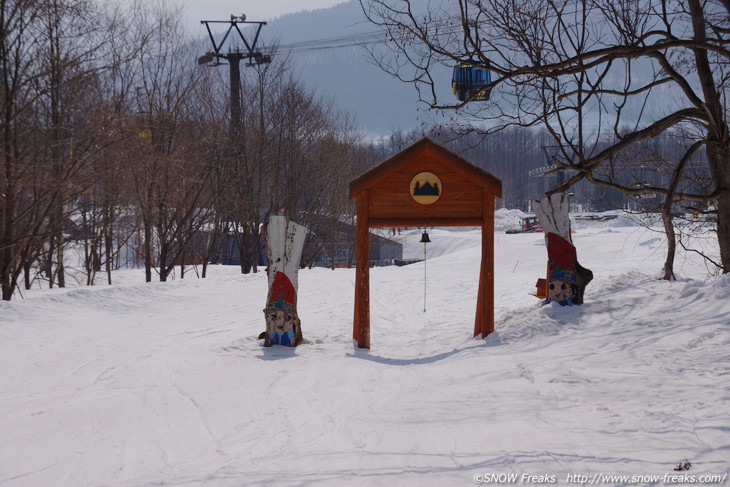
[{"x": 424, "y": 185}]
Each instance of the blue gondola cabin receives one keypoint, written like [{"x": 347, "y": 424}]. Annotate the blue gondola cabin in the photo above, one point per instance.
[{"x": 471, "y": 83}]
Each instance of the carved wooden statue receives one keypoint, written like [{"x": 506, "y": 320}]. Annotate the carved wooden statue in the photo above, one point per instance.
[
  {"x": 284, "y": 245},
  {"x": 566, "y": 279}
]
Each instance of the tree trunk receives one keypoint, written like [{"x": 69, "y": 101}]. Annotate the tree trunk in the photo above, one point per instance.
[
  {"x": 723, "y": 221},
  {"x": 671, "y": 242},
  {"x": 49, "y": 261},
  {"x": 163, "y": 262},
  {"x": 718, "y": 155},
  {"x": 249, "y": 249},
  {"x": 211, "y": 246},
  {"x": 109, "y": 250},
  {"x": 718, "y": 139},
  {"x": 567, "y": 279},
  {"x": 6, "y": 267},
  {"x": 245, "y": 262},
  {"x": 147, "y": 244},
  {"x": 284, "y": 245},
  {"x": 26, "y": 273},
  {"x": 60, "y": 244},
  {"x": 667, "y": 215}
]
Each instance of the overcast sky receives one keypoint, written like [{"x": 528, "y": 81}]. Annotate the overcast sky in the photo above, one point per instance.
[{"x": 197, "y": 10}]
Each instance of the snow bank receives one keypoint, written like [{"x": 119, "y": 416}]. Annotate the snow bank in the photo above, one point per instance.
[{"x": 166, "y": 384}]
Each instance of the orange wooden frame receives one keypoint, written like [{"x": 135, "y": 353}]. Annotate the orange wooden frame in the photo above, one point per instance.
[{"x": 383, "y": 199}]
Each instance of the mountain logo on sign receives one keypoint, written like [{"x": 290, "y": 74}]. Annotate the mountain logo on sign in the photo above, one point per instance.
[{"x": 427, "y": 189}]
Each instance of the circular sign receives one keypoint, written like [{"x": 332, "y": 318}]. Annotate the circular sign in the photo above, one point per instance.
[{"x": 426, "y": 188}]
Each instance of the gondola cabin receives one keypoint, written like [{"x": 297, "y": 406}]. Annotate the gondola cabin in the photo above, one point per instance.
[{"x": 469, "y": 83}]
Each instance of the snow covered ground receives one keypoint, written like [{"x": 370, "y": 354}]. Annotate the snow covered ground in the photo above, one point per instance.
[{"x": 166, "y": 384}]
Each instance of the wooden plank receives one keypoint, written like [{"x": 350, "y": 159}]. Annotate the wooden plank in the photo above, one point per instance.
[
  {"x": 464, "y": 194},
  {"x": 361, "y": 325},
  {"x": 449, "y": 190},
  {"x": 455, "y": 202},
  {"x": 426, "y": 218},
  {"x": 406, "y": 209},
  {"x": 444, "y": 216},
  {"x": 425, "y": 221},
  {"x": 470, "y": 201},
  {"x": 452, "y": 181}
]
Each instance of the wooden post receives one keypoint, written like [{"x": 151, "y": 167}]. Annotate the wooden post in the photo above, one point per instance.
[
  {"x": 480, "y": 297},
  {"x": 488, "y": 253},
  {"x": 361, "y": 324},
  {"x": 484, "y": 323}
]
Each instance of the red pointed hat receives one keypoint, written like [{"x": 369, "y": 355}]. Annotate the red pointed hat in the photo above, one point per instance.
[{"x": 282, "y": 289}]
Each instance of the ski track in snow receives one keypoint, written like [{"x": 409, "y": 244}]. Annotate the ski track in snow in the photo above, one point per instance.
[{"x": 166, "y": 384}]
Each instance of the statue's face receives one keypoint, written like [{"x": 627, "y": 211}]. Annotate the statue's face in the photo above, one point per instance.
[
  {"x": 280, "y": 321},
  {"x": 560, "y": 290}
]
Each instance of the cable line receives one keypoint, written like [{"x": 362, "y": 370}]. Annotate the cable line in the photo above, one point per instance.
[{"x": 361, "y": 39}]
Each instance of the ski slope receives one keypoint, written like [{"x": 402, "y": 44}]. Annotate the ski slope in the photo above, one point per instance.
[{"x": 166, "y": 384}]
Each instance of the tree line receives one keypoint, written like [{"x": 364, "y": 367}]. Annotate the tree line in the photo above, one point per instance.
[{"x": 114, "y": 135}]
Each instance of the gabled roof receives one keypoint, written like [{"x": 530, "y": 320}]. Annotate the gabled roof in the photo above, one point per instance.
[{"x": 420, "y": 150}]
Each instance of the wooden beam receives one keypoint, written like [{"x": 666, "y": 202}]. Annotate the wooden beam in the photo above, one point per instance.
[
  {"x": 425, "y": 222},
  {"x": 361, "y": 324},
  {"x": 488, "y": 256},
  {"x": 484, "y": 322},
  {"x": 480, "y": 298}
]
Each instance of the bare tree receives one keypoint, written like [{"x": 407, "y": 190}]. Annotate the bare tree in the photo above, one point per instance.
[
  {"x": 53, "y": 51},
  {"x": 653, "y": 173},
  {"x": 130, "y": 147},
  {"x": 170, "y": 177},
  {"x": 583, "y": 70},
  {"x": 18, "y": 219}
]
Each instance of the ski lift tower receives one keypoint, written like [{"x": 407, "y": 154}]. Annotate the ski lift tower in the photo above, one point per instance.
[{"x": 234, "y": 57}]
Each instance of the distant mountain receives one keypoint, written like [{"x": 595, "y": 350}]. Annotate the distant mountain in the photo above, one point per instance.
[{"x": 380, "y": 103}]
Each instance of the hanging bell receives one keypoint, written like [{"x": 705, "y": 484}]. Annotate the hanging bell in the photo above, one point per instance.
[{"x": 424, "y": 238}]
